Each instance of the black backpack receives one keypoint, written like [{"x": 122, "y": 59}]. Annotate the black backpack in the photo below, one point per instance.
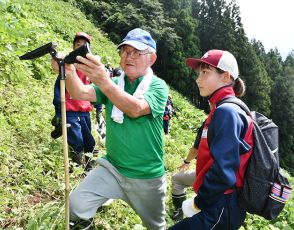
[{"x": 265, "y": 189}]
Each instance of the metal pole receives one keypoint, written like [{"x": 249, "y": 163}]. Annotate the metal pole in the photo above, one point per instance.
[{"x": 65, "y": 145}]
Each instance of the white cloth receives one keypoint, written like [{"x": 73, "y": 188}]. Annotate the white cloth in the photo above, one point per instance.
[
  {"x": 116, "y": 114},
  {"x": 188, "y": 208}
]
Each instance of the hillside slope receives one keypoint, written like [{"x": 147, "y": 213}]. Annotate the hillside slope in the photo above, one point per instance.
[{"x": 31, "y": 169}]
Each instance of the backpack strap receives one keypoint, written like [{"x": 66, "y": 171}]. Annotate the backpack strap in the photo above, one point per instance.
[
  {"x": 237, "y": 101},
  {"x": 233, "y": 100},
  {"x": 243, "y": 106}
]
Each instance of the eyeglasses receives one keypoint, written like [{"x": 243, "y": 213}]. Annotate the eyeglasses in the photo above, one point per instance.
[{"x": 135, "y": 54}]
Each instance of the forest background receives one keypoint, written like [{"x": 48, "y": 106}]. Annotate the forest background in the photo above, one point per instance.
[{"x": 31, "y": 184}]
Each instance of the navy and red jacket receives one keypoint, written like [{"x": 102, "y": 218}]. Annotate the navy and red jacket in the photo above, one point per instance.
[
  {"x": 73, "y": 107},
  {"x": 221, "y": 166}
]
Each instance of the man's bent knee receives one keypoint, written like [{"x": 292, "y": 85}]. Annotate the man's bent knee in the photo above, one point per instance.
[{"x": 77, "y": 208}]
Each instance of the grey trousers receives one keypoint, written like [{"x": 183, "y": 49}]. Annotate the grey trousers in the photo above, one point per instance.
[
  {"x": 182, "y": 180},
  {"x": 145, "y": 196}
]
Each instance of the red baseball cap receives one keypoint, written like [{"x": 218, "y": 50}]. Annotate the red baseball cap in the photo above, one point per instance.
[
  {"x": 220, "y": 59},
  {"x": 82, "y": 35}
]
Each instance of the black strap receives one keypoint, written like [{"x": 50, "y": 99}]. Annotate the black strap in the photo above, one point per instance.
[
  {"x": 237, "y": 101},
  {"x": 243, "y": 106},
  {"x": 198, "y": 136},
  {"x": 233, "y": 100}
]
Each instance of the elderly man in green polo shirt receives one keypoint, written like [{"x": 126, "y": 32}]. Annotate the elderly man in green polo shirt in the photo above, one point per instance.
[{"x": 133, "y": 168}]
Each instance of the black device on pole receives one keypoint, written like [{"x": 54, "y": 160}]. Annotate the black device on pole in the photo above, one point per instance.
[
  {"x": 43, "y": 50},
  {"x": 39, "y": 52},
  {"x": 81, "y": 51},
  {"x": 50, "y": 48}
]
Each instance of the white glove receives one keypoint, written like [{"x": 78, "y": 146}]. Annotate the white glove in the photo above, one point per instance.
[{"x": 189, "y": 208}]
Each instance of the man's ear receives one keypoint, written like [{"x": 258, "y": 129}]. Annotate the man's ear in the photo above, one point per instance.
[{"x": 153, "y": 58}]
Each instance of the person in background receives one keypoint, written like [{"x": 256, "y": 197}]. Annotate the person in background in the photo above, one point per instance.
[
  {"x": 79, "y": 135},
  {"x": 224, "y": 149},
  {"x": 170, "y": 104},
  {"x": 134, "y": 104},
  {"x": 98, "y": 114},
  {"x": 166, "y": 118},
  {"x": 168, "y": 112}
]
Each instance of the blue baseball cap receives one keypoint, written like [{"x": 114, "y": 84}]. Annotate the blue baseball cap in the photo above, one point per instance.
[{"x": 139, "y": 39}]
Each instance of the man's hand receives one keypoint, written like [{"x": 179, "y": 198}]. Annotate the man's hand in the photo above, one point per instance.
[
  {"x": 93, "y": 68},
  {"x": 69, "y": 69}
]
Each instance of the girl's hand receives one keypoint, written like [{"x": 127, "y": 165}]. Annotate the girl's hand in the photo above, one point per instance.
[{"x": 184, "y": 167}]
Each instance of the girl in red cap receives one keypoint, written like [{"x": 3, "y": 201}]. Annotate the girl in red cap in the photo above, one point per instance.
[{"x": 221, "y": 163}]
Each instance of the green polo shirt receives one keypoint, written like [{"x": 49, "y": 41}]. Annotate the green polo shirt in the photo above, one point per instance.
[{"x": 135, "y": 147}]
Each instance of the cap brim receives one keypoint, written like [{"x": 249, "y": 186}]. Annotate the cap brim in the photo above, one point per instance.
[
  {"x": 137, "y": 45},
  {"x": 195, "y": 63}
]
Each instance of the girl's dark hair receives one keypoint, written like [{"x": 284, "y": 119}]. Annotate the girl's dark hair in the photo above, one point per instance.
[
  {"x": 239, "y": 87},
  {"x": 238, "y": 84}
]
